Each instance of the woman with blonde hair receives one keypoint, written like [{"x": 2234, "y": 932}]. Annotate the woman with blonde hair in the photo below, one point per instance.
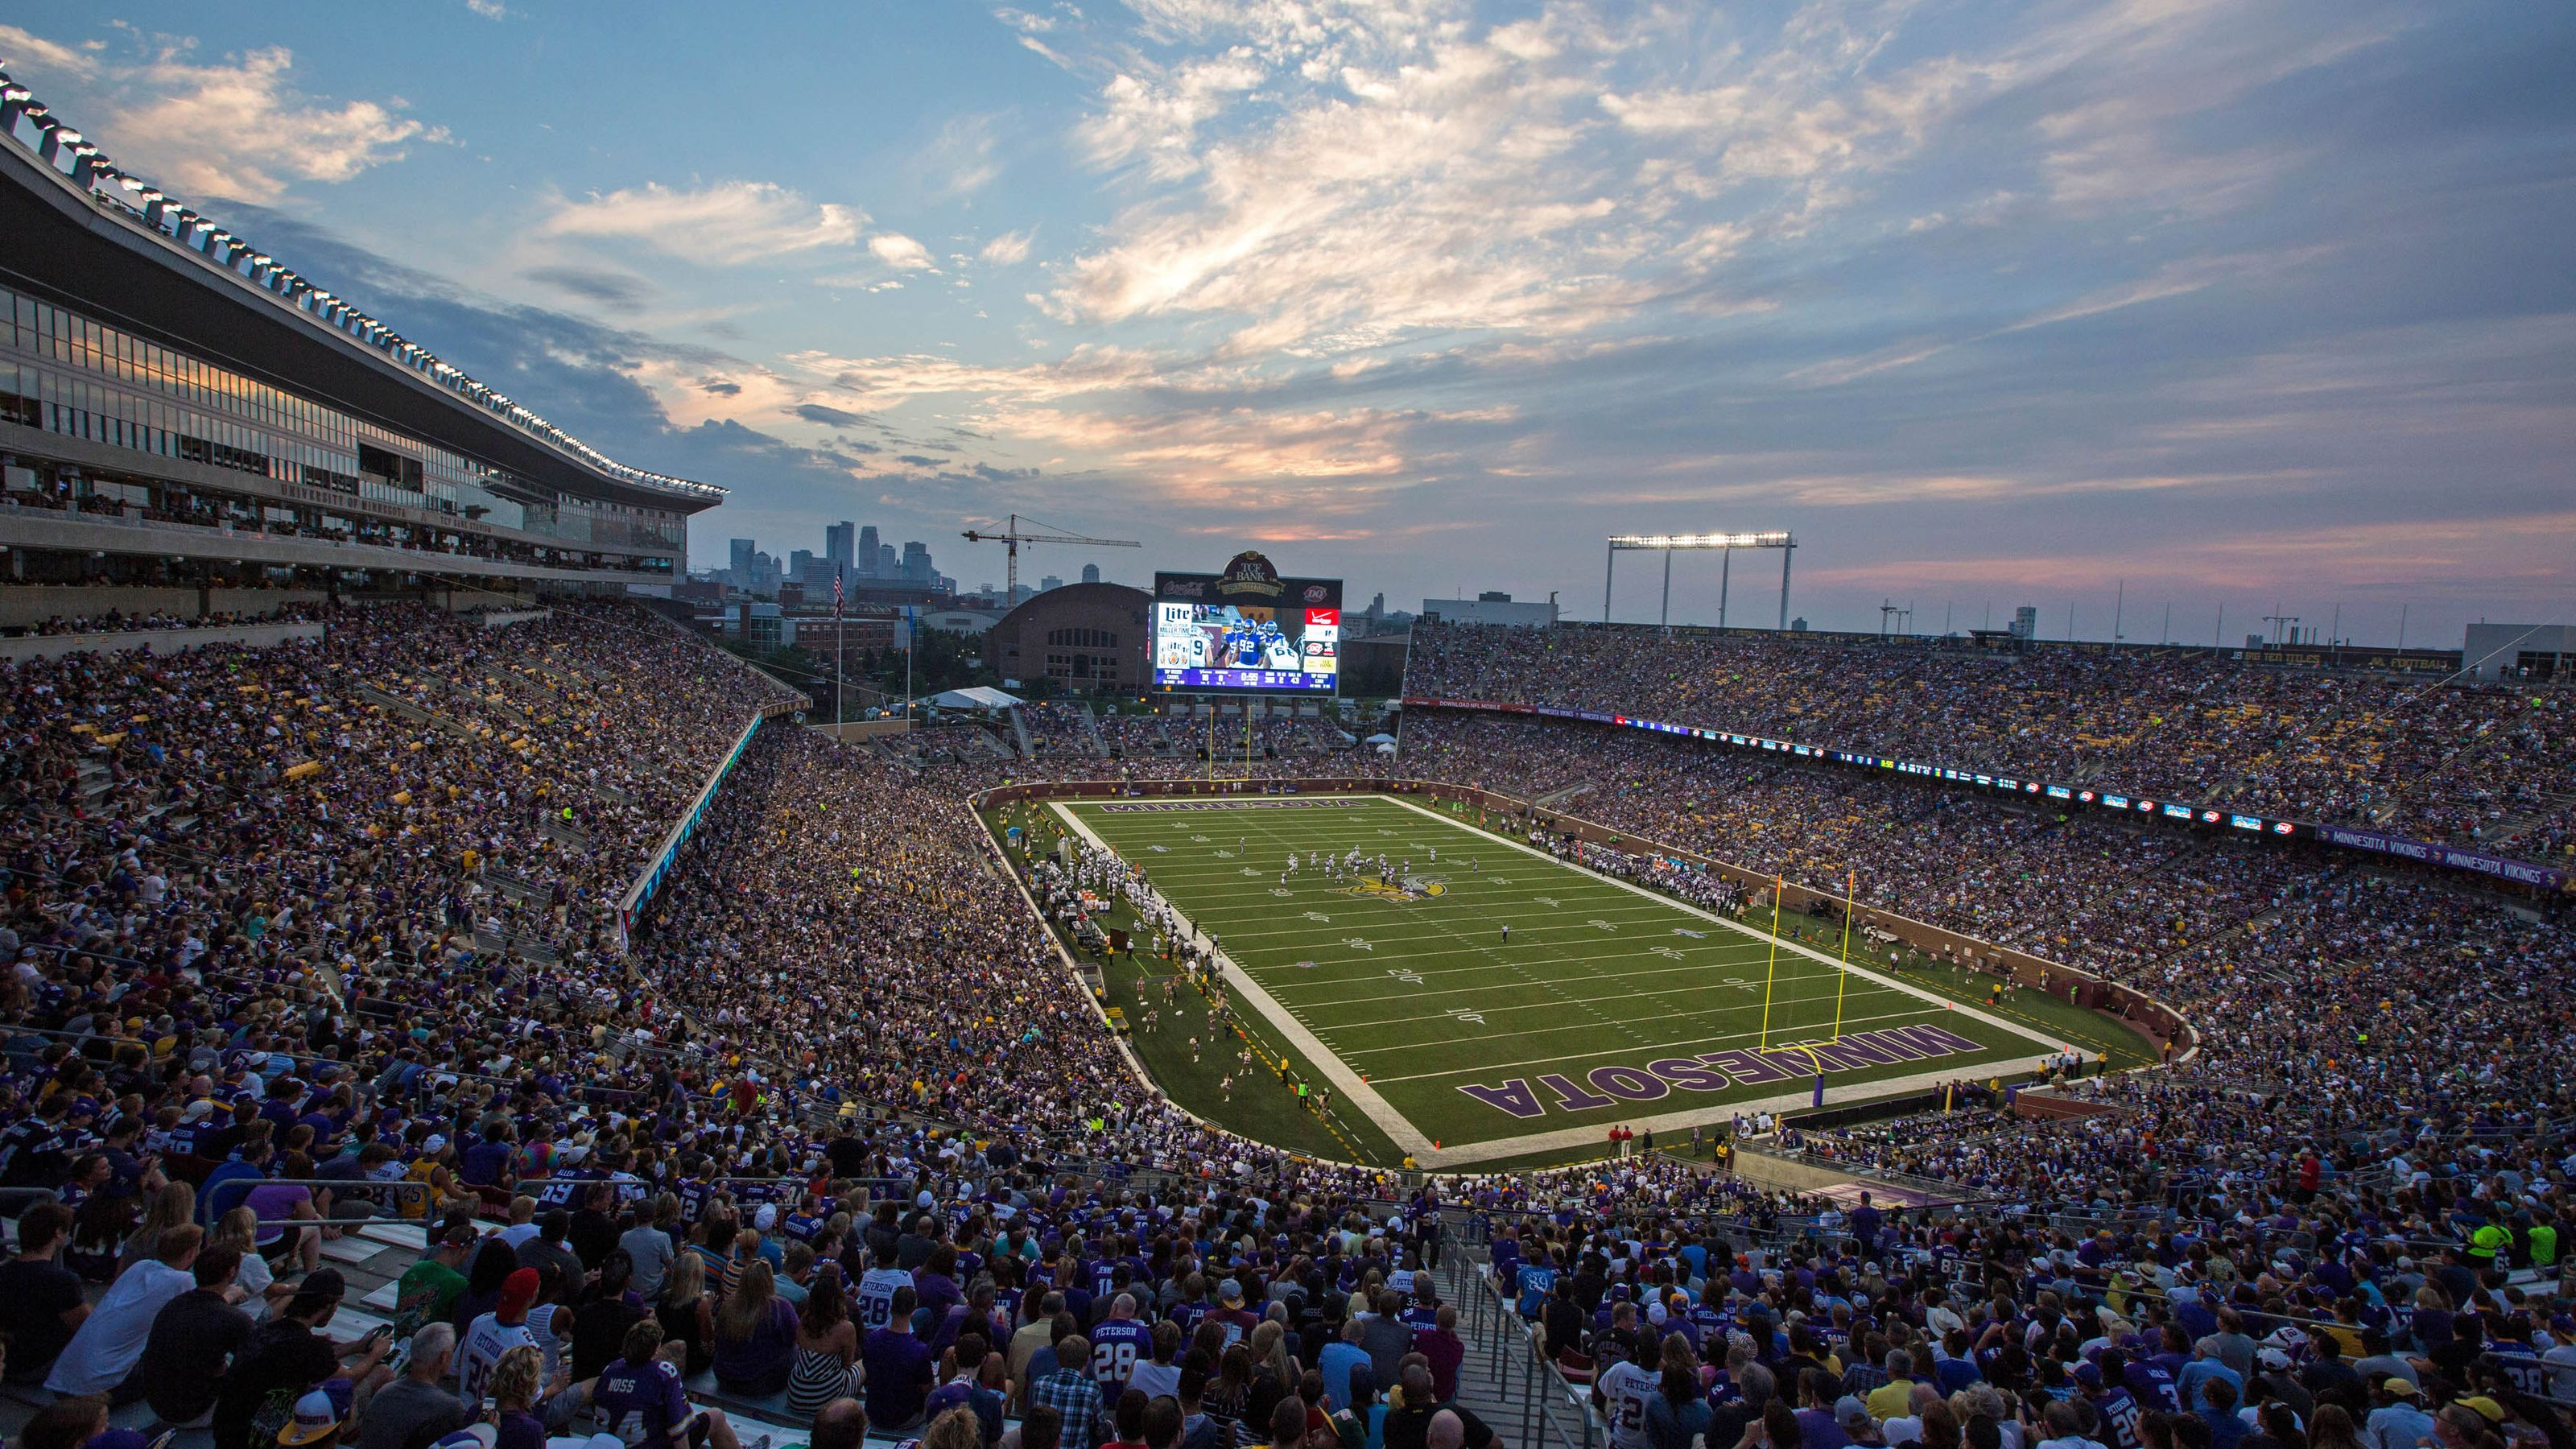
[
  {"x": 755, "y": 1338},
  {"x": 517, "y": 1386},
  {"x": 174, "y": 1207},
  {"x": 686, "y": 1313},
  {"x": 240, "y": 1229},
  {"x": 956, "y": 1429},
  {"x": 1274, "y": 1373}
]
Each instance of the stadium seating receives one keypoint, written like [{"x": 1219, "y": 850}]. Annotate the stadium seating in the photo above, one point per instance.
[
  {"x": 2445, "y": 760},
  {"x": 359, "y": 893}
]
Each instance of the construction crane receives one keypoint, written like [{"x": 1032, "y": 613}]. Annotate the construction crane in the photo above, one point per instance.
[{"x": 1014, "y": 537}]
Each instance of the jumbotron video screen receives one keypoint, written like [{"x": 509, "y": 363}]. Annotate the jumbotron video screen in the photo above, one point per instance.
[{"x": 1247, "y": 629}]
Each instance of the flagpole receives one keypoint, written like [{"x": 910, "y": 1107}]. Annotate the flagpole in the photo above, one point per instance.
[
  {"x": 1773, "y": 970},
  {"x": 1851, "y": 889},
  {"x": 840, "y": 631}
]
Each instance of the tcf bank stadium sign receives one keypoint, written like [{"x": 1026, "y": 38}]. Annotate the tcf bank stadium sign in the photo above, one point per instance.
[{"x": 1717, "y": 1071}]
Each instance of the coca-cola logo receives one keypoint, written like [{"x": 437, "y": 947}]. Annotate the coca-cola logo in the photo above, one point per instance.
[{"x": 1185, "y": 589}]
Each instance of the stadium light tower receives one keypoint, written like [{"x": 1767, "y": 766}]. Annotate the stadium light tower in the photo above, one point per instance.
[{"x": 1725, "y": 543}]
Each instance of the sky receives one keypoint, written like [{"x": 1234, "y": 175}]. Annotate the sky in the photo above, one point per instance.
[{"x": 2203, "y": 308}]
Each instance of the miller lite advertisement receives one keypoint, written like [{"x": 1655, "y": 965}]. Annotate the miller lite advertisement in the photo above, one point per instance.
[{"x": 1248, "y": 629}]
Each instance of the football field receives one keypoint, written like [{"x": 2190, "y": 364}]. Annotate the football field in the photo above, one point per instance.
[{"x": 1484, "y": 1000}]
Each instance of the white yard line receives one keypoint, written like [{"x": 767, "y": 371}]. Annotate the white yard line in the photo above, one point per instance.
[
  {"x": 1740, "y": 928},
  {"x": 1418, "y": 1145},
  {"x": 1355, "y": 1091}
]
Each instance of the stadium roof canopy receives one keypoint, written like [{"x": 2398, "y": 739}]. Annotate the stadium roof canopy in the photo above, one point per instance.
[
  {"x": 76, "y": 227},
  {"x": 974, "y": 697}
]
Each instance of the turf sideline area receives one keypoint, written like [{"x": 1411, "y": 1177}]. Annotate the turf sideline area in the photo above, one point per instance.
[{"x": 1399, "y": 1128}]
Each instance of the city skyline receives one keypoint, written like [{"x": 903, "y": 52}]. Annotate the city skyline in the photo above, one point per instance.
[{"x": 2102, "y": 307}]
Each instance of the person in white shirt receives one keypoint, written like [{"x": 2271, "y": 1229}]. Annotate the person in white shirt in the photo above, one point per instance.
[
  {"x": 110, "y": 1341},
  {"x": 1622, "y": 1390},
  {"x": 493, "y": 1334}
]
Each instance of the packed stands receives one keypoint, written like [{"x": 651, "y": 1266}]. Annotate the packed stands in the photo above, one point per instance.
[
  {"x": 1060, "y": 727},
  {"x": 324, "y": 930},
  {"x": 2440, "y": 760}
]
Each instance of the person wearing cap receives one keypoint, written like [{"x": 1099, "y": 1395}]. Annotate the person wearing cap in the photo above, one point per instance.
[
  {"x": 2397, "y": 1419},
  {"x": 493, "y": 1334},
  {"x": 319, "y": 1419},
  {"x": 2273, "y": 1375},
  {"x": 429, "y": 1288},
  {"x": 288, "y": 1355},
  {"x": 1230, "y": 1313}
]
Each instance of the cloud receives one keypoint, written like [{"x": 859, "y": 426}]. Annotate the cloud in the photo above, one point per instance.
[
  {"x": 23, "y": 50},
  {"x": 488, "y": 9},
  {"x": 829, "y": 417},
  {"x": 2178, "y": 278},
  {"x": 900, "y": 252},
  {"x": 612, "y": 289},
  {"x": 1009, "y": 249},
  {"x": 235, "y": 129},
  {"x": 960, "y": 161},
  {"x": 729, "y": 223}
]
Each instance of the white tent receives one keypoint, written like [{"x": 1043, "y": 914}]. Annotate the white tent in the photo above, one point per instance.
[
  {"x": 975, "y": 697},
  {"x": 1379, "y": 739}
]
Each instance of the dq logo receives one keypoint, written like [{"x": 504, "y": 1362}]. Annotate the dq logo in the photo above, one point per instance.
[{"x": 1317, "y": 593}]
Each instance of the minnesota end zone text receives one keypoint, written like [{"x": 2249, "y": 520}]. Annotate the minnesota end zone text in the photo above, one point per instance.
[{"x": 1716, "y": 1071}]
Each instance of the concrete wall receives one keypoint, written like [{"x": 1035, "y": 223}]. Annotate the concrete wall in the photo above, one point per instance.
[
  {"x": 25, "y": 605},
  {"x": 153, "y": 641},
  {"x": 1764, "y": 1170},
  {"x": 504, "y": 618},
  {"x": 863, "y": 729}
]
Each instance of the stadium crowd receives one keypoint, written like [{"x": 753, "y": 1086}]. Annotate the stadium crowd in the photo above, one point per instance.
[
  {"x": 325, "y": 930},
  {"x": 2443, "y": 760}
]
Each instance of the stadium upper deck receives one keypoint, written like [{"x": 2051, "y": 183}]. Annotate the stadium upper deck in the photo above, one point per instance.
[{"x": 168, "y": 392}]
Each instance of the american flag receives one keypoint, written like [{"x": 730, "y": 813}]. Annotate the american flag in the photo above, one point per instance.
[{"x": 836, "y": 593}]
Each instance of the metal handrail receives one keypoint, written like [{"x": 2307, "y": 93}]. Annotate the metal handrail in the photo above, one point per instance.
[
  {"x": 399, "y": 1186},
  {"x": 1545, "y": 1392}
]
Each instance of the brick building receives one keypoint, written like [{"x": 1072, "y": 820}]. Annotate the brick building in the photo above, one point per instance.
[{"x": 1088, "y": 638}]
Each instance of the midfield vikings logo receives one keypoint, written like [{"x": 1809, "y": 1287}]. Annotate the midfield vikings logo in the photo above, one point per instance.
[{"x": 1406, "y": 888}]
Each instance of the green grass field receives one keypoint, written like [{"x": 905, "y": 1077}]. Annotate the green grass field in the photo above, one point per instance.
[{"x": 1448, "y": 1042}]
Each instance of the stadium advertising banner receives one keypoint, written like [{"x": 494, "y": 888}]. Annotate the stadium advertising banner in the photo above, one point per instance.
[
  {"x": 1247, "y": 629},
  {"x": 2522, "y": 872}
]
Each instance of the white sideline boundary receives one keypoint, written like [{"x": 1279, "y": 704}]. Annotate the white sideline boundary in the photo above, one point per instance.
[
  {"x": 1415, "y": 1142},
  {"x": 1358, "y": 1093}
]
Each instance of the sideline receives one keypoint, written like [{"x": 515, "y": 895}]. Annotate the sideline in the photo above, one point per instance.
[
  {"x": 1417, "y": 1144},
  {"x": 1346, "y": 1081}
]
